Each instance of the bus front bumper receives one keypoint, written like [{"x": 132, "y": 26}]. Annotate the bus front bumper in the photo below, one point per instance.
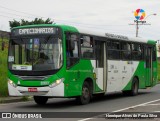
[{"x": 57, "y": 91}]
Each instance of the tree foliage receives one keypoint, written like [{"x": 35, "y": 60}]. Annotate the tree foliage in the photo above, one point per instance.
[{"x": 23, "y": 22}]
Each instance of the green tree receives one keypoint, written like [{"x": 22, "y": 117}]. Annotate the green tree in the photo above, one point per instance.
[
  {"x": 14, "y": 23},
  {"x": 23, "y": 22},
  {"x": 48, "y": 21}
]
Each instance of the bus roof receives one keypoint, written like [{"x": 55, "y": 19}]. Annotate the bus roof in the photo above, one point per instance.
[
  {"x": 116, "y": 36},
  {"x": 94, "y": 33}
]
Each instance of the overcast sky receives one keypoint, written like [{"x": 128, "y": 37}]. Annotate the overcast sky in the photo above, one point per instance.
[{"x": 112, "y": 16}]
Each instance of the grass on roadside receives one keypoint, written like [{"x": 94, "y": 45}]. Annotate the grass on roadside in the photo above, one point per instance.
[{"x": 3, "y": 71}]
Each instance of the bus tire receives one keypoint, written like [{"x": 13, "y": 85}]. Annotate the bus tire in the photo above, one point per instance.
[
  {"x": 40, "y": 100},
  {"x": 86, "y": 94},
  {"x": 135, "y": 86}
]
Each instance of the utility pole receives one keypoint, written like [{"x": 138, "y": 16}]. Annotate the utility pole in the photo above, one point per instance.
[
  {"x": 137, "y": 25},
  {"x": 137, "y": 28}
]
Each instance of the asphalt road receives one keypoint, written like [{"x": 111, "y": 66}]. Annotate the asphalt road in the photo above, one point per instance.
[{"x": 108, "y": 103}]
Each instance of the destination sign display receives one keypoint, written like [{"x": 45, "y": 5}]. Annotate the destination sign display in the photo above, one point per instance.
[
  {"x": 114, "y": 36},
  {"x": 33, "y": 31}
]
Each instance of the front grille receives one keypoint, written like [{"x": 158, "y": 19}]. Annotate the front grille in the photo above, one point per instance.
[
  {"x": 33, "y": 77},
  {"x": 34, "y": 93}
]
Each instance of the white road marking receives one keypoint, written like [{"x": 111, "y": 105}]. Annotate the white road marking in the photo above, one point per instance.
[
  {"x": 151, "y": 104},
  {"x": 137, "y": 105},
  {"x": 85, "y": 119},
  {"x": 156, "y": 111},
  {"x": 123, "y": 109}
]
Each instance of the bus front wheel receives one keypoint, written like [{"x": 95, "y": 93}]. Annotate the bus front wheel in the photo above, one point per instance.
[
  {"x": 86, "y": 94},
  {"x": 40, "y": 100}
]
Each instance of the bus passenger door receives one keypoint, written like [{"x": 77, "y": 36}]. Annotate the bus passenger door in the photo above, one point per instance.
[
  {"x": 100, "y": 66},
  {"x": 148, "y": 66},
  {"x": 72, "y": 56}
]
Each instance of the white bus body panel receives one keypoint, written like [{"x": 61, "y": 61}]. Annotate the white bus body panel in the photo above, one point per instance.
[{"x": 119, "y": 74}]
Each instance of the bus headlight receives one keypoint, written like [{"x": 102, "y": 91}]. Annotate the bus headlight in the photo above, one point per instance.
[
  {"x": 57, "y": 82},
  {"x": 12, "y": 83}
]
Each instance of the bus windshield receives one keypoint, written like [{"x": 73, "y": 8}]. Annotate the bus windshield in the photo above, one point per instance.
[{"x": 35, "y": 53}]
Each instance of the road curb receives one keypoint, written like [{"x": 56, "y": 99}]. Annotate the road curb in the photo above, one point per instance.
[{"x": 14, "y": 99}]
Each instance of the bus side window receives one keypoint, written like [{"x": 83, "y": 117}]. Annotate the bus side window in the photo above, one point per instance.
[
  {"x": 87, "y": 47},
  {"x": 113, "y": 49},
  {"x": 72, "y": 49},
  {"x": 126, "y": 51},
  {"x": 137, "y": 51},
  {"x": 154, "y": 58}
]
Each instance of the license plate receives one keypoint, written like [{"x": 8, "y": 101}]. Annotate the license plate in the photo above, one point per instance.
[{"x": 32, "y": 90}]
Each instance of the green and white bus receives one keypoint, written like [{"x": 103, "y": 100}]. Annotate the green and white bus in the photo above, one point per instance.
[{"x": 52, "y": 60}]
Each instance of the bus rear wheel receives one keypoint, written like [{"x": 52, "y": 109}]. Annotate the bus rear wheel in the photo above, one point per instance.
[
  {"x": 40, "y": 100},
  {"x": 134, "y": 88},
  {"x": 86, "y": 94}
]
